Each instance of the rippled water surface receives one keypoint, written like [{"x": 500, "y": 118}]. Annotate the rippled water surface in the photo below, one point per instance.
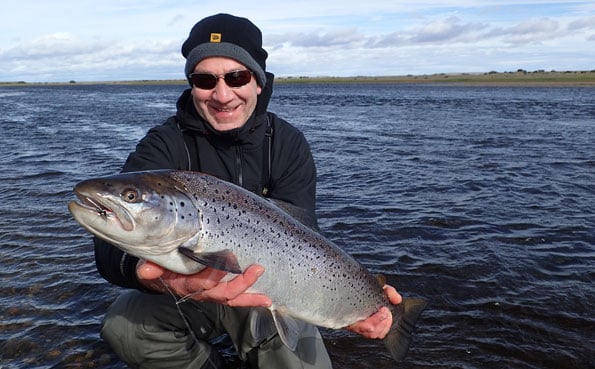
[{"x": 479, "y": 199}]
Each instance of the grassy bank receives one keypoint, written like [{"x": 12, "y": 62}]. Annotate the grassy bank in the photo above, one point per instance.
[
  {"x": 518, "y": 78},
  {"x": 579, "y": 78}
]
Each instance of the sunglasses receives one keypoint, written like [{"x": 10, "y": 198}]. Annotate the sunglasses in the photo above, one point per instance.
[{"x": 208, "y": 81}]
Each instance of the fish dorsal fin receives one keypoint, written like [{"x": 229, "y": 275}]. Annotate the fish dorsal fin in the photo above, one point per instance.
[
  {"x": 300, "y": 214},
  {"x": 288, "y": 329},
  {"x": 222, "y": 260},
  {"x": 381, "y": 279}
]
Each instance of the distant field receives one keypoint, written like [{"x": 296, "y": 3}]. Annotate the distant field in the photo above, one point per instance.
[
  {"x": 520, "y": 78},
  {"x": 580, "y": 78}
]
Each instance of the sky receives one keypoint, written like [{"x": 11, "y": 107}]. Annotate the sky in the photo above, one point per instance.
[{"x": 114, "y": 40}]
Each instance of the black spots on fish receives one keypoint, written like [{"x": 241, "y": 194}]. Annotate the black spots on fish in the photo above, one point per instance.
[{"x": 275, "y": 232}]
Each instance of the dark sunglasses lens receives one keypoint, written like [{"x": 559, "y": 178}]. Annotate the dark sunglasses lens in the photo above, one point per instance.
[
  {"x": 206, "y": 81},
  {"x": 203, "y": 80},
  {"x": 238, "y": 78}
]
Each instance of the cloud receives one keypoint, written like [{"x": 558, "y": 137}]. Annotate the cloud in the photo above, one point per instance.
[
  {"x": 47, "y": 46},
  {"x": 448, "y": 29},
  {"x": 136, "y": 39},
  {"x": 338, "y": 37},
  {"x": 587, "y": 23},
  {"x": 59, "y": 53},
  {"x": 526, "y": 32}
]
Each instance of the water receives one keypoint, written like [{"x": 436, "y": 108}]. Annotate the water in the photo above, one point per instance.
[{"x": 479, "y": 199}]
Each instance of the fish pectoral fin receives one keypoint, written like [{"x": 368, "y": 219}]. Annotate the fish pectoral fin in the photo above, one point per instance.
[
  {"x": 288, "y": 329},
  {"x": 222, "y": 260}
]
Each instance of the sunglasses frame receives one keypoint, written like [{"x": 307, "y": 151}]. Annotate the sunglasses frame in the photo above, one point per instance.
[{"x": 231, "y": 79}]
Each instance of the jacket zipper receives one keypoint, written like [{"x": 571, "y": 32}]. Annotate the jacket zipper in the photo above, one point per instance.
[{"x": 239, "y": 166}]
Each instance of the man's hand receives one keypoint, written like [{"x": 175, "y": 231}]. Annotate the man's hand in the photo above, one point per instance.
[
  {"x": 378, "y": 325},
  {"x": 205, "y": 285}
]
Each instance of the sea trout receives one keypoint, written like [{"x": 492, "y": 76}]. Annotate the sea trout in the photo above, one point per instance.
[{"x": 185, "y": 221}]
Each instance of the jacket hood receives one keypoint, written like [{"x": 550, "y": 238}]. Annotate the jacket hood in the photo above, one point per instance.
[{"x": 189, "y": 119}]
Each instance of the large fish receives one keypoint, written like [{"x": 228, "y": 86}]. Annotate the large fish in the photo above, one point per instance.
[{"x": 185, "y": 221}]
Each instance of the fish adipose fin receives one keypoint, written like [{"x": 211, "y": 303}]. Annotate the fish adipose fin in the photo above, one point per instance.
[
  {"x": 399, "y": 337},
  {"x": 288, "y": 329},
  {"x": 222, "y": 260}
]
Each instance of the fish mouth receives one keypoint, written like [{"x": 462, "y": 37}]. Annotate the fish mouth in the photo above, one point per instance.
[
  {"x": 103, "y": 209},
  {"x": 94, "y": 205}
]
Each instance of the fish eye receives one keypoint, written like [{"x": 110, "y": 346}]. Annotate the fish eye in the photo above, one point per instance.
[{"x": 130, "y": 195}]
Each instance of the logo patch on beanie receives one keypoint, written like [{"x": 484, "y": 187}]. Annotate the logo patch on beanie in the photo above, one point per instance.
[{"x": 215, "y": 37}]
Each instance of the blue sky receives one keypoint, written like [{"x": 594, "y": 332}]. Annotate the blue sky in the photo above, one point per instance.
[{"x": 110, "y": 40}]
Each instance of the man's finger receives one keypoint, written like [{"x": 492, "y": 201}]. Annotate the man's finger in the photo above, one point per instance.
[
  {"x": 250, "y": 299},
  {"x": 241, "y": 283},
  {"x": 393, "y": 296},
  {"x": 205, "y": 279},
  {"x": 148, "y": 270}
]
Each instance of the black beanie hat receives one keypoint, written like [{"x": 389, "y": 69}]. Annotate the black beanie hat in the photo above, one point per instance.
[{"x": 229, "y": 36}]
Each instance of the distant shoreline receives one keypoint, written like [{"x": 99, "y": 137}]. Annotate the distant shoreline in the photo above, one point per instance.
[{"x": 518, "y": 78}]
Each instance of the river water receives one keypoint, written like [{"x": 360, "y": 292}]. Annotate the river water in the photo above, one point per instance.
[{"x": 479, "y": 199}]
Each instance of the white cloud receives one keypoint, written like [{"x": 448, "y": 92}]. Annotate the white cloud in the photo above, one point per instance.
[
  {"x": 533, "y": 30},
  {"x": 586, "y": 23},
  {"x": 85, "y": 40},
  {"x": 447, "y": 29}
]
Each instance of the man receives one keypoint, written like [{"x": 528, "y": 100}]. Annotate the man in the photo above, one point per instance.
[{"x": 221, "y": 127}]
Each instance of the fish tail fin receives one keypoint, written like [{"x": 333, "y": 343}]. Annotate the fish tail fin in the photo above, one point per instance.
[{"x": 405, "y": 316}]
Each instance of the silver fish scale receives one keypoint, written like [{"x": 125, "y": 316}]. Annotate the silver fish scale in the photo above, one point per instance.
[{"x": 339, "y": 290}]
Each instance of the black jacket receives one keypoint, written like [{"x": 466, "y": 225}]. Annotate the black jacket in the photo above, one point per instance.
[{"x": 186, "y": 142}]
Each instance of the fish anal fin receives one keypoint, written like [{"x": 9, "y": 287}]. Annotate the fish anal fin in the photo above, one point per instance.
[
  {"x": 405, "y": 316},
  {"x": 262, "y": 325},
  {"x": 222, "y": 260},
  {"x": 288, "y": 329}
]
